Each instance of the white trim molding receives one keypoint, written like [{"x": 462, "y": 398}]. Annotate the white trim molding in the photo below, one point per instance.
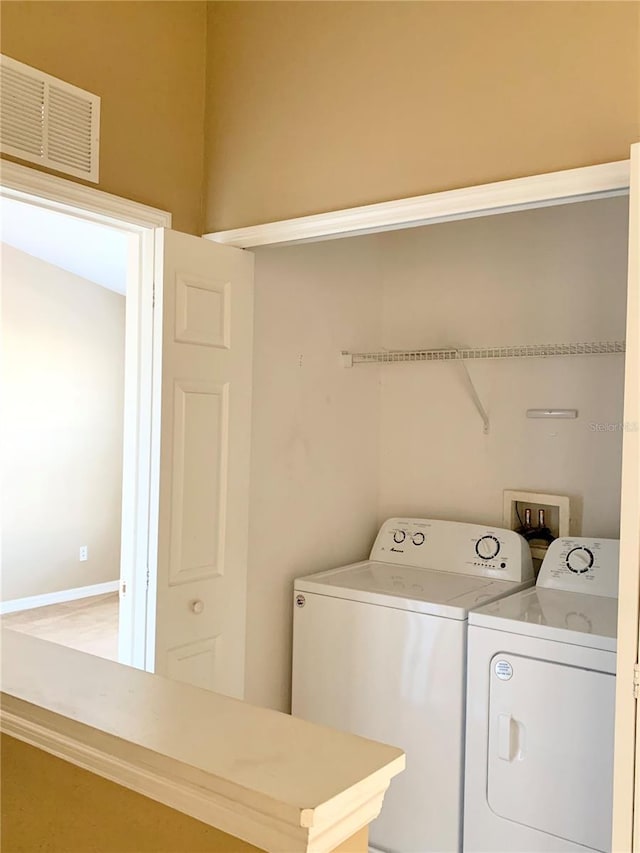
[
  {"x": 571, "y": 185},
  {"x": 30, "y": 185},
  {"x": 32, "y": 601},
  {"x": 273, "y": 780}
]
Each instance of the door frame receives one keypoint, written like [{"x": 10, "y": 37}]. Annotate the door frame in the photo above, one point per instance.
[
  {"x": 626, "y": 810},
  {"x": 142, "y": 375}
]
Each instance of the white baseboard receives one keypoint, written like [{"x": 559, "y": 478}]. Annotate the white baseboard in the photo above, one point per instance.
[{"x": 57, "y": 597}]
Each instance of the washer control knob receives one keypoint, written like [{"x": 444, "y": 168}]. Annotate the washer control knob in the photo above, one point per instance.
[
  {"x": 579, "y": 560},
  {"x": 487, "y": 547},
  {"x": 197, "y": 606},
  {"x": 418, "y": 538},
  {"x": 399, "y": 536}
]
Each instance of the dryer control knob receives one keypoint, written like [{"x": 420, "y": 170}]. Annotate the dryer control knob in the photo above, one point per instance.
[
  {"x": 579, "y": 560},
  {"x": 399, "y": 536},
  {"x": 487, "y": 547}
]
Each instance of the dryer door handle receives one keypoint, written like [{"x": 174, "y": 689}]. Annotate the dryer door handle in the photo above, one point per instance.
[{"x": 507, "y": 734}]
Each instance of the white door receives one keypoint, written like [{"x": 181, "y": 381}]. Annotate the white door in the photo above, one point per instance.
[
  {"x": 627, "y": 755},
  {"x": 197, "y": 600},
  {"x": 540, "y": 774}
]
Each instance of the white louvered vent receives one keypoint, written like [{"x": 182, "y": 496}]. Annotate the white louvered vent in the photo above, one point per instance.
[{"x": 47, "y": 121}]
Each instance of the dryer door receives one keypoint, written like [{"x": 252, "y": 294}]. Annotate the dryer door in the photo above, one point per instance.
[{"x": 551, "y": 748}]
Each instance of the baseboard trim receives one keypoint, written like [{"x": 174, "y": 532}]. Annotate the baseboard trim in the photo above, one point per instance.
[{"x": 32, "y": 601}]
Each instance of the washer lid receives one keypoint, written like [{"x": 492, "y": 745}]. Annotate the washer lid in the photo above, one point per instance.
[
  {"x": 406, "y": 588},
  {"x": 550, "y": 614}
]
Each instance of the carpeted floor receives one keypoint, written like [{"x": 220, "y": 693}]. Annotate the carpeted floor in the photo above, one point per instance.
[{"x": 88, "y": 624}]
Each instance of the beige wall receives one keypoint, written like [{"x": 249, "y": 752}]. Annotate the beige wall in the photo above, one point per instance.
[
  {"x": 336, "y": 451},
  {"x": 550, "y": 275},
  {"x": 63, "y": 387},
  {"x": 318, "y": 106},
  {"x": 146, "y": 60},
  {"x": 53, "y": 806},
  {"x": 314, "y": 481},
  {"x": 322, "y": 105}
]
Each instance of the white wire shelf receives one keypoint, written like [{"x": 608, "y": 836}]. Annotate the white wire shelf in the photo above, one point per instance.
[{"x": 451, "y": 354}]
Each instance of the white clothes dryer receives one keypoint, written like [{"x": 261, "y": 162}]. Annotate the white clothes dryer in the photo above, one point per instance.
[
  {"x": 379, "y": 650},
  {"x": 540, "y": 708}
]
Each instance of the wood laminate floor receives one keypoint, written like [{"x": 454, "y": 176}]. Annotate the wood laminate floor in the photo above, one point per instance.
[{"x": 88, "y": 624}]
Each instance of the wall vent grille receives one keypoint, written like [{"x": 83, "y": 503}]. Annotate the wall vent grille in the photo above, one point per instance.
[{"x": 47, "y": 121}]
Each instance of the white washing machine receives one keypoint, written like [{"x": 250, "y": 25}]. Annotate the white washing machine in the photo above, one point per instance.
[
  {"x": 540, "y": 708},
  {"x": 379, "y": 650}
]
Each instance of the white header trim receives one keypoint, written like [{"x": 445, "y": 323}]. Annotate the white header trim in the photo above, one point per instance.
[
  {"x": 30, "y": 185},
  {"x": 608, "y": 179}
]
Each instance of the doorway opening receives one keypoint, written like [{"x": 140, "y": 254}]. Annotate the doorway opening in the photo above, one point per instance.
[
  {"x": 63, "y": 308},
  {"x": 185, "y": 436},
  {"x": 77, "y": 378}
]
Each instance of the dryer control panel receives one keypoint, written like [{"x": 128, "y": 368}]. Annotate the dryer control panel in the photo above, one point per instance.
[
  {"x": 454, "y": 546},
  {"x": 579, "y": 564}
]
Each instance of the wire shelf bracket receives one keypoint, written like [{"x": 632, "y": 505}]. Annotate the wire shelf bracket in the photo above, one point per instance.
[{"x": 477, "y": 402}]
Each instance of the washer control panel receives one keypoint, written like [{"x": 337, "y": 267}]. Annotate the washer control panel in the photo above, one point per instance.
[
  {"x": 579, "y": 564},
  {"x": 453, "y": 546}
]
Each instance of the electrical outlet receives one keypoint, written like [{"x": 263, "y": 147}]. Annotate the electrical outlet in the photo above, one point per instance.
[{"x": 84, "y": 553}]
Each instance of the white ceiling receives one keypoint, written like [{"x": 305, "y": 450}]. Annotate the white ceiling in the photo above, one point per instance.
[{"x": 92, "y": 251}]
